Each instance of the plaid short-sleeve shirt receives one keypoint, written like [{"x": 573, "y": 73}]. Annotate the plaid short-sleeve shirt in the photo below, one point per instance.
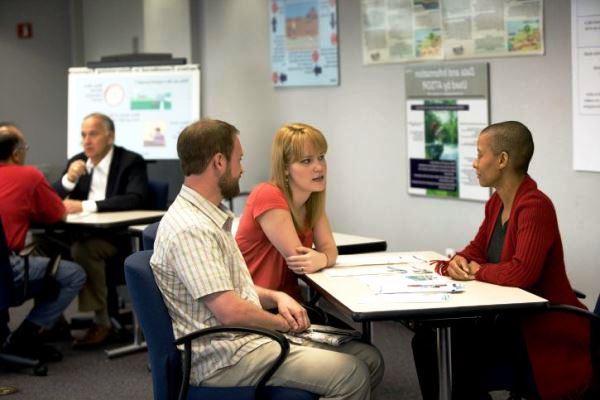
[{"x": 196, "y": 255}]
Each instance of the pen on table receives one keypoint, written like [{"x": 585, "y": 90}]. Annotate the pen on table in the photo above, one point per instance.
[{"x": 429, "y": 286}]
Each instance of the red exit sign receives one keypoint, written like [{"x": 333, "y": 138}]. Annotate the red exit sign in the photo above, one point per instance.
[{"x": 24, "y": 30}]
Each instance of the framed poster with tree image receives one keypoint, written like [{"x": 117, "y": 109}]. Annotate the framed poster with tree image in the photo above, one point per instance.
[
  {"x": 441, "y": 139},
  {"x": 447, "y": 107}
]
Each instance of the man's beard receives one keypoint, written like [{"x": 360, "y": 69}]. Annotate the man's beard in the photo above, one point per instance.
[{"x": 230, "y": 186}]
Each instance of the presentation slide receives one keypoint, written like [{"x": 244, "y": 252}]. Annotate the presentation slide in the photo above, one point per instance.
[{"x": 149, "y": 105}]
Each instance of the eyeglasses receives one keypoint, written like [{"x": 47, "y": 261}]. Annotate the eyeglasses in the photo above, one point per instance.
[{"x": 24, "y": 146}]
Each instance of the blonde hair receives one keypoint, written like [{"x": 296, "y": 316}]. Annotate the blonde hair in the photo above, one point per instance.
[{"x": 288, "y": 147}]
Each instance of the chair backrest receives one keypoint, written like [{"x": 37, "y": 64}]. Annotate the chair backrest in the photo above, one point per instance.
[
  {"x": 156, "y": 325},
  {"x": 594, "y": 319},
  {"x": 6, "y": 275},
  {"x": 149, "y": 235},
  {"x": 595, "y": 347},
  {"x": 165, "y": 359},
  {"x": 158, "y": 193}
]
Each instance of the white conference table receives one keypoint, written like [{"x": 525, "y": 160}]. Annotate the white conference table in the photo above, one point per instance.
[
  {"x": 356, "y": 300},
  {"x": 346, "y": 244},
  {"x": 115, "y": 219}
]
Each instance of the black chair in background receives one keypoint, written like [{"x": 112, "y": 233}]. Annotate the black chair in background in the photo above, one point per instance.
[
  {"x": 231, "y": 200},
  {"x": 14, "y": 296},
  {"x": 149, "y": 236},
  {"x": 594, "y": 317},
  {"x": 158, "y": 195},
  {"x": 170, "y": 381},
  {"x": 593, "y": 392}
]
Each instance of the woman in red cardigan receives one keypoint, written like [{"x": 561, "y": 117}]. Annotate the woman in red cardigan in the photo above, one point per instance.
[{"x": 519, "y": 244}]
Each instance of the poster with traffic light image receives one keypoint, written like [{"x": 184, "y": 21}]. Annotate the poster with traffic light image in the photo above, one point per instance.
[{"x": 304, "y": 42}]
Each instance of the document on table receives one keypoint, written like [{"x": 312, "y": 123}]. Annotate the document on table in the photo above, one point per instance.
[
  {"x": 378, "y": 264},
  {"x": 404, "y": 298},
  {"x": 377, "y": 259},
  {"x": 78, "y": 216},
  {"x": 411, "y": 283},
  {"x": 386, "y": 269}
]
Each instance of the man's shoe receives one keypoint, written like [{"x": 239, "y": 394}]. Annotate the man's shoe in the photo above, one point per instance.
[
  {"x": 33, "y": 350},
  {"x": 49, "y": 353},
  {"x": 26, "y": 342},
  {"x": 95, "y": 336},
  {"x": 59, "y": 332}
]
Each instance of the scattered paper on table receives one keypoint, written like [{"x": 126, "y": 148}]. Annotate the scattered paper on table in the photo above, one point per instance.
[
  {"x": 405, "y": 298},
  {"x": 355, "y": 260},
  {"x": 411, "y": 283}
]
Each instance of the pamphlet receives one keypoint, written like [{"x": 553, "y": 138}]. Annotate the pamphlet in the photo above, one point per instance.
[
  {"x": 412, "y": 283},
  {"x": 324, "y": 334}
]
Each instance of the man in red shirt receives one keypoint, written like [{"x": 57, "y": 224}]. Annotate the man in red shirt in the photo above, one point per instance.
[{"x": 25, "y": 197}]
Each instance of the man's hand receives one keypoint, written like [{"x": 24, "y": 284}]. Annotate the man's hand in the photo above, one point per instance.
[
  {"x": 458, "y": 269},
  {"x": 72, "y": 206},
  {"x": 76, "y": 169},
  {"x": 284, "y": 325},
  {"x": 293, "y": 312},
  {"x": 307, "y": 261}
]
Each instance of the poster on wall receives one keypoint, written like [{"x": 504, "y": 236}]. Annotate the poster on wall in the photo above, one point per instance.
[
  {"x": 304, "y": 42},
  {"x": 585, "y": 37},
  {"x": 149, "y": 105},
  {"x": 418, "y": 30},
  {"x": 446, "y": 108}
]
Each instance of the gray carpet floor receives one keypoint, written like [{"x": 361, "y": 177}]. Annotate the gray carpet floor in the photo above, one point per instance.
[{"x": 84, "y": 375}]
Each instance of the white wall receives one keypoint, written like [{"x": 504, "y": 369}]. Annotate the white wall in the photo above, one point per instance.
[
  {"x": 167, "y": 27},
  {"x": 110, "y": 27},
  {"x": 364, "y": 122},
  {"x": 33, "y": 77}
]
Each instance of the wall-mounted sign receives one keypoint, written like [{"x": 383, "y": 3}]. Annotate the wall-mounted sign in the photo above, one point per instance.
[
  {"x": 421, "y": 30},
  {"x": 446, "y": 108},
  {"x": 304, "y": 42}
]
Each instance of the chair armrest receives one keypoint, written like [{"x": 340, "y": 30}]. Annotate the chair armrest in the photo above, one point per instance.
[
  {"x": 187, "y": 353},
  {"x": 594, "y": 390},
  {"x": 27, "y": 250},
  {"x": 574, "y": 310},
  {"x": 24, "y": 254}
]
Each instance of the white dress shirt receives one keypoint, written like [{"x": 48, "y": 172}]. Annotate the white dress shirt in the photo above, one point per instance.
[{"x": 97, "y": 186}]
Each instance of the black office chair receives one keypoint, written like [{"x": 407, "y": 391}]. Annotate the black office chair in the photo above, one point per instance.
[
  {"x": 149, "y": 235},
  {"x": 230, "y": 200},
  {"x": 594, "y": 318},
  {"x": 158, "y": 195},
  {"x": 13, "y": 296},
  {"x": 169, "y": 380},
  {"x": 593, "y": 392}
]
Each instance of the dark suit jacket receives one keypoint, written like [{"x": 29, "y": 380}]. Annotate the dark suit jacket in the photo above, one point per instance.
[{"x": 127, "y": 185}]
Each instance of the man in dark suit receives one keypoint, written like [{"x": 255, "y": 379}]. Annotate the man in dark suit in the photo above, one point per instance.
[{"x": 104, "y": 177}]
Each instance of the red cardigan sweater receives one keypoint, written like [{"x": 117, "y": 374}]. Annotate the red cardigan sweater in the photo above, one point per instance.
[{"x": 532, "y": 259}]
